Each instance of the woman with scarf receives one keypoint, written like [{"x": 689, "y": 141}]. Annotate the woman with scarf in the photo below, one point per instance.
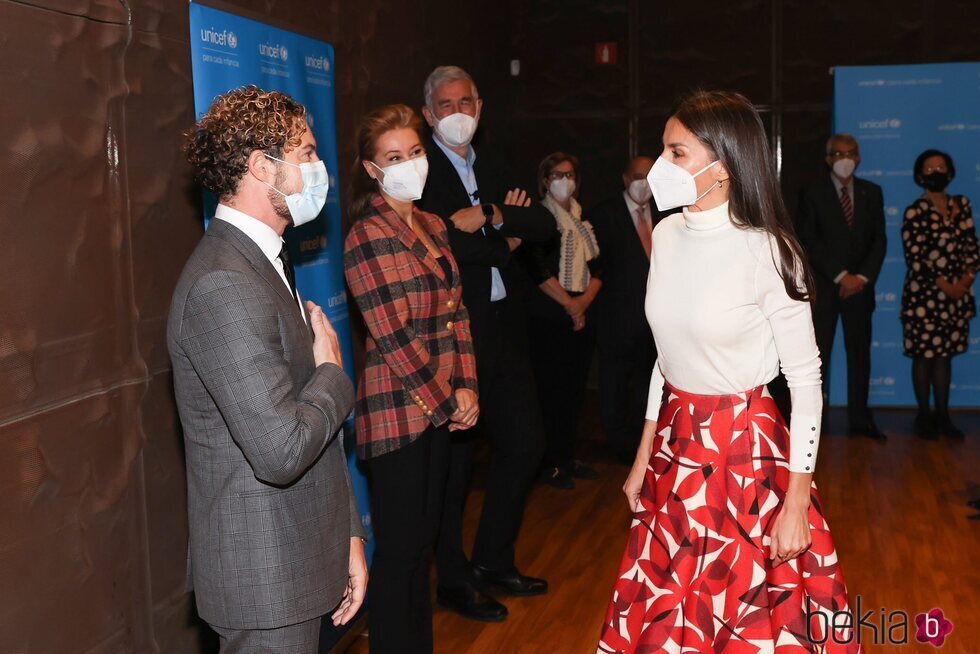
[{"x": 566, "y": 271}]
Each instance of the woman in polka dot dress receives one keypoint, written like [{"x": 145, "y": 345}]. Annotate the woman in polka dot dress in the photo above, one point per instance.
[{"x": 940, "y": 245}]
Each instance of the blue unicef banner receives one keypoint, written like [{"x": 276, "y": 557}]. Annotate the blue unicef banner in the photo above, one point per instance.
[
  {"x": 230, "y": 51},
  {"x": 896, "y": 112}
]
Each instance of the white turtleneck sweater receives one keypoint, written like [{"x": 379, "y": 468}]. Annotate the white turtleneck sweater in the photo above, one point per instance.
[{"x": 724, "y": 324}]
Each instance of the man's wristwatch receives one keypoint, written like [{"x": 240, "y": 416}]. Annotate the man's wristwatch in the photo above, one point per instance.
[{"x": 488, "y": 214}]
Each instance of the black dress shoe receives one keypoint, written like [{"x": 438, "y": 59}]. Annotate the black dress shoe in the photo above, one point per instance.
[
  {"x": 581, "y": 471},
  {"x": 871, "y": 431},
  {"x": 944, "y": 425},
  {"x": 471, "y": 603},
  {"x": 558, "y": 478},
  {"x": 510, "y": 581},
  {"x": 924, "y": 427}
]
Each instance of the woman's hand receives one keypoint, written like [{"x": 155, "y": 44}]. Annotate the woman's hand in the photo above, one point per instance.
[
  {"x": 634, "y": 482},
  {"x": 467, "y": 410},
  {"x": 954, "y": 291},
  {"x": 790, "y": 533}
]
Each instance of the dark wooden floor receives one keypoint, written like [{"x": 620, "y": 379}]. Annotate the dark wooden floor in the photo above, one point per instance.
[{"x": 897, "y": 511}]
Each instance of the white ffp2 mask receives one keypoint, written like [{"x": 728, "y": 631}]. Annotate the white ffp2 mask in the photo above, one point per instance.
[
  {"x": 457, "y": 129},
  {"x": 405, "y": 181},
  {"x": 672, "y": 186}
]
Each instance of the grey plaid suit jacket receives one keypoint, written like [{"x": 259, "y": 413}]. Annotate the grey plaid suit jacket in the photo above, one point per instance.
[{"x": 271, "y": 509}]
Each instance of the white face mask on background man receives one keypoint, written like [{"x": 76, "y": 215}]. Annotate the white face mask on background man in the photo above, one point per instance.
[
  {"x": 673, "y": 187},
  {"x": 306, "y": 204},
  {"x": 844, "y": 168},
  {"x": 457, "y": 130},
  {"x": 639, "y": 191},
  {"x": 561, "y": 189},
  {"x": 405, "y": 181}
]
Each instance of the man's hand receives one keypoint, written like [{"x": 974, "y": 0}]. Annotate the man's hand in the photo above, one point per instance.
[
  {"x": 851, "y": 285},
  {"x": 357, "y": 578},
  {"x": 326, "y": 345},
  {"x": 469, "y": 220},
  {"x": 467, "y": 410},
  {"x": 517, "y": 198}
]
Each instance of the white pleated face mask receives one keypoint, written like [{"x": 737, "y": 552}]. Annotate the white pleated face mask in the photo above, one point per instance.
[
  {"x": 405, "y": 181},
  {"x": 306, "y": 205},
  {"x": 672, "y": 186}
]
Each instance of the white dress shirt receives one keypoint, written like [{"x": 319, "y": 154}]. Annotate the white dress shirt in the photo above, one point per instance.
[
  {"x": 724, "y": 324},
  {"x": 264, "y": 236}
]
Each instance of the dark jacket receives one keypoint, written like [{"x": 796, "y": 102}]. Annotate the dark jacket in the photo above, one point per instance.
[
  {"x": 541, "y": 262},
  {"x": 476, "y": 253},
  {"x": 625, "y": 265},
  {"x": 830, "y": 244}
]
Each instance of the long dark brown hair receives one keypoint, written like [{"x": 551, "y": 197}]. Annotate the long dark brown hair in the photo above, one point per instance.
[
  {"x": 381, "y": 120},
  {"x": 728, "y": 125}
]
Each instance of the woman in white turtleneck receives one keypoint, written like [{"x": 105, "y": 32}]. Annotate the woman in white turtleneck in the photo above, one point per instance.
[{"x": 728, "y": 541}]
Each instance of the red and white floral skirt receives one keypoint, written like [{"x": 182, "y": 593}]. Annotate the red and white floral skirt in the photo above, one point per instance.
[{"x": 696, "y": 575}]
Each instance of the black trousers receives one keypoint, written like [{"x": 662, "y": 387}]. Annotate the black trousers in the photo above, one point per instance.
[
  {"x": 855, "y": 313},
  {"x": 407, "y": 492},
  {"x": 560, "y": 359},
  {"x": 626, "y": 358},
  {"x": 509, "y": 416}
]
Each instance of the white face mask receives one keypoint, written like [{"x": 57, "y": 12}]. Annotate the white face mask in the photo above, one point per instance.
[
  {"x": 457, "y": 130},
  {"x": 640, "y": 191},
  {"x": 672, "y": 186},
  {"x": 561, "y": 189},
  {"x": 844, "y": 168},
  {"x": 306, "y": 205},
  {"x": 404, "y": 181}
]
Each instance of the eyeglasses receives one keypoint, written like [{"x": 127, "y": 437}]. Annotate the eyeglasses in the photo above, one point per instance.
[
  {"x": 839, "y": 154},
  {"x": 556, "y": 175},
  {"x": 941, "y": 168}
]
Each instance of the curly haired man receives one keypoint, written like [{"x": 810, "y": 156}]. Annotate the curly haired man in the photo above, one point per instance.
[{"x": 275, "y": 533}]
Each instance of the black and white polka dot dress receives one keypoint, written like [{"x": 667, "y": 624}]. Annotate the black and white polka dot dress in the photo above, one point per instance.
[{"x": 935, "y": 324}]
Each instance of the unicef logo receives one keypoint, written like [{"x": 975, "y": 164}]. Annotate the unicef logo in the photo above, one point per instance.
[
  {"x": 892, "y": 211},
  {"x": 317, "y": 63},
  {"x": 283, "y": 53},
  {"x": 232, "y": 40},
  {"x": 894, "y": 123}
]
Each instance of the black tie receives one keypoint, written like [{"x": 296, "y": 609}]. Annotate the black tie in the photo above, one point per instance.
[{"x": 287, "y": 266}]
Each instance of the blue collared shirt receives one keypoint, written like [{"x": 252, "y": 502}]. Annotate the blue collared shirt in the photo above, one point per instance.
[{"x": 464, "y": 168}]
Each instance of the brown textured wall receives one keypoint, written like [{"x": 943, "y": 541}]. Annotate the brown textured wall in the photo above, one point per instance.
[{"x": 97, "y": 216}]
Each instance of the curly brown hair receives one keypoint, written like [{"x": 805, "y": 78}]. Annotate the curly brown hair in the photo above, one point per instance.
[{"x": 239, "y": 122}]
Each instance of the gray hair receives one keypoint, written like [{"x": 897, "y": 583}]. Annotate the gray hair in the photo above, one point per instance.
[
  {"x": 843, "y": 138},
  {"x": 446, "y": 75}
]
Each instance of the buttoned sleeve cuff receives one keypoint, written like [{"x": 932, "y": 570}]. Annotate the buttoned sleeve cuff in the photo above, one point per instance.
[{"x": 804, "y": 440}]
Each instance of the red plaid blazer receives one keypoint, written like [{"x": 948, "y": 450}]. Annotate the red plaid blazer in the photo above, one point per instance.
[{"x": 419, "y": 349}]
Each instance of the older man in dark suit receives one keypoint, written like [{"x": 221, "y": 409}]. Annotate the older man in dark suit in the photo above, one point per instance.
[
  {"x": 841, "y": 224},
  {"x": 623, "y": 226},
  {"x": 275, "y": 534},
  {"x": 487, "y": 219}
]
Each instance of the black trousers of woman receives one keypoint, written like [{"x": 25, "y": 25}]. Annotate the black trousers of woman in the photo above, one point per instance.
[
  {"x": 407, "y": 491},
  {"x": 560, "y": 358}
]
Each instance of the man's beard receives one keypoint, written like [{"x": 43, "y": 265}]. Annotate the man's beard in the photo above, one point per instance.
[{"x": 278, "y": 200}]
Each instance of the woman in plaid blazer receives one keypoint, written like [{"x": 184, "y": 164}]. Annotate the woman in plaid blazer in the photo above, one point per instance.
[{"x": 419, "y": 380}]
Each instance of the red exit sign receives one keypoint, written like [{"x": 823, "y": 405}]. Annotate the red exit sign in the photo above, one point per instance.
[{"x": 605, "y": 53}]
